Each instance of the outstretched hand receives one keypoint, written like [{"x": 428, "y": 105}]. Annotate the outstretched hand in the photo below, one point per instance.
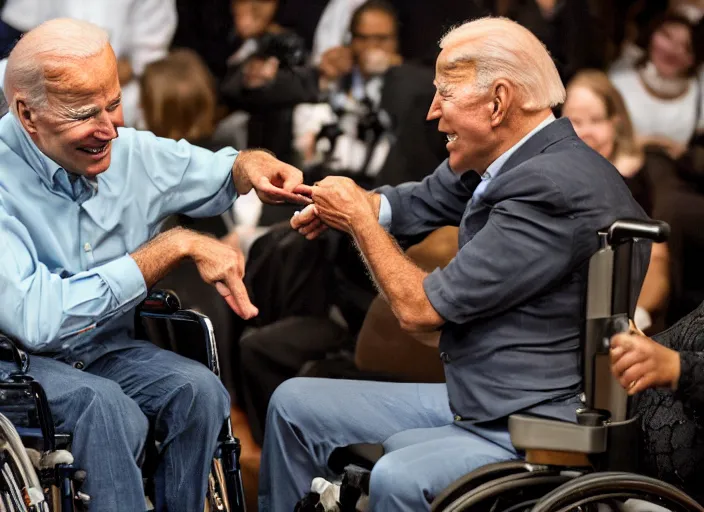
[{"x": 275, "y": 182}]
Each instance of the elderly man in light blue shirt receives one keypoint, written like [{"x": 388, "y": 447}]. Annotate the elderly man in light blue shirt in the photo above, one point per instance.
[{"x": 81, "y": 204}]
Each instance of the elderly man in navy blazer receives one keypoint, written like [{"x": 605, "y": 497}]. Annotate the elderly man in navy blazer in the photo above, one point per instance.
[{"x": 529, "y": 197}]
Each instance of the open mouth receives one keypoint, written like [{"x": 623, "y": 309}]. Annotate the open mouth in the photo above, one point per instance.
[
  {"x": 451, "y": 137},
  {"x": 97, "y": 151}
]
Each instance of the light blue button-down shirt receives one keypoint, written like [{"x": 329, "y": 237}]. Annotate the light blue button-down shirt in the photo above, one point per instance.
[
  {"x": 491, "y": 172},
  {"x": 68, "y": 286}
]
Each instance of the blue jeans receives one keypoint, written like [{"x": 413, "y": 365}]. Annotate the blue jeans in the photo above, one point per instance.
[
  {"x": 424, "y": 450},
  {"x": 109, "y": 408}
]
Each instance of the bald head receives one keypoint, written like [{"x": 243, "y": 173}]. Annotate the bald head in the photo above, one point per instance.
[
  {"x": 498, "y": 48},
  {"x": 42, "y": 55}
]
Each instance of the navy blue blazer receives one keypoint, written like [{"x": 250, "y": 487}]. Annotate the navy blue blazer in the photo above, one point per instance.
[{"x": 513, "y": 297}]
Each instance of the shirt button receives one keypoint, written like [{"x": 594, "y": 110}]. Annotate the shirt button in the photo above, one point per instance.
[
  {"x": 458, "y": 417},
  {"x": 87, "y": 247},
  {"x": 79, "y": 365},
  {"x": 445, "y": 357}
]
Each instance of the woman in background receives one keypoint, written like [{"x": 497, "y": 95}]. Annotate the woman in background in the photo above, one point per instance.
[
  {"x": 661, "y": 90},
  {"x": 178, "y": 102},
  {"x": 666, "y": 375},
  {"x": 599, "y": 117}
]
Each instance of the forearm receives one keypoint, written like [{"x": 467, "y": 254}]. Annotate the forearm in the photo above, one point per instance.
[
  {"x": 419, "y": 208},
  {"x": 399, "y": 280},
  {"x": 160, "y": 255},
  {"x": 656, "y": 286}
]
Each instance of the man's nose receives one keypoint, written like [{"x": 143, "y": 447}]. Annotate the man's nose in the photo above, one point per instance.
[
  {"x": 434, "y": 111},
  {"x": 107, "y": 125}
]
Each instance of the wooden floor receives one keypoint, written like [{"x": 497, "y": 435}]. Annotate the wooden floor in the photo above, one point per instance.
[{"x": 249, "y": 458}]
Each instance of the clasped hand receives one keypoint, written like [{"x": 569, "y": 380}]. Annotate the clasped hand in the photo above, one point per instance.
[
  {"x": 639, "y": 363},
  {"x": 338, "y": 203}
]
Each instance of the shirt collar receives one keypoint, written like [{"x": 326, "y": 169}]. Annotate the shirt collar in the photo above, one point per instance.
[
  {"x": 44, "y": 166},
  {"x": 47, "y": 169},
  {"x": 497, "y": 165}
]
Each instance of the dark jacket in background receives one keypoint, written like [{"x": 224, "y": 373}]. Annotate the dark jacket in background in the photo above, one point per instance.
[
  {"x": 574, "y": 36},
  {"x": 204, "y": 26}
]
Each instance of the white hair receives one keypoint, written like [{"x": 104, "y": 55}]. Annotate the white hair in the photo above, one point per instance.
[
  {"x": 501, "y": 48},
  {"x": 43, "y": 51}
]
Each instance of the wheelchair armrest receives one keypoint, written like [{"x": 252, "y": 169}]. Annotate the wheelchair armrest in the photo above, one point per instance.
[
  {"x": 534, "y": 433},
  {"x": 10, "y": 351},
  {"x": 160, "y": 301}
]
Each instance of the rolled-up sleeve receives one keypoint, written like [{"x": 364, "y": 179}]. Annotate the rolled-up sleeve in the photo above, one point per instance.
[
  {"x": 38, "y": 306},
  {"x": 522, "y": 250},
  {"x": 181, "y": 177},
  {"x": 418, "y": 208}
]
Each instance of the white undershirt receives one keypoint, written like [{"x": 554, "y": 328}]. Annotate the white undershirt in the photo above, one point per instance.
[{"x": 653, "y": 116}]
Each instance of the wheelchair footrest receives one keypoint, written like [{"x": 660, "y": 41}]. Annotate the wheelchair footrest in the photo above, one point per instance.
[{"x": 533, "y": 433}]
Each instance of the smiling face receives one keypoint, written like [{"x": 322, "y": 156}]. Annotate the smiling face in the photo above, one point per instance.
[
  {"x": 464, "y": 114},
  {"x": 588, "y": 114},
  {"x": 83, "y": 112}
]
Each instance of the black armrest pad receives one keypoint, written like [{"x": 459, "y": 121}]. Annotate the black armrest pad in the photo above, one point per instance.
[
  {"x": 161, "y": 301},
  {"x": 10, "y": 351}
]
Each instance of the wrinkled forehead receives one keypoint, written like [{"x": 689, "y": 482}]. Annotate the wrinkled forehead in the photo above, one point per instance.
[
  {"x": 454, "y": 64},
  {"x": 72, "y": 80}
]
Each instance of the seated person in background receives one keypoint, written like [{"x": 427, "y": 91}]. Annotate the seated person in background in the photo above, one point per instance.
[
  {"x": 349, "y": 134},
  {"x": 661, "y": 91},
  {"x": 265, "y": 77},
  {"x": 369, "y": 94},
  {"x": 597, "y": 112},
  {"x": 666, "y": 375},
  {"x": 81, "y": 203},
  {"x": 178, "y": 101},
  {"x": 509, "y": 305}
]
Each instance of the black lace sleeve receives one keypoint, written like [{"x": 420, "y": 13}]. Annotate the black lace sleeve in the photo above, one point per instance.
[
  {"x": 687, "y": 337},
  {"x": 691, "y": 385},
  {"x": 673, "y": 423}
]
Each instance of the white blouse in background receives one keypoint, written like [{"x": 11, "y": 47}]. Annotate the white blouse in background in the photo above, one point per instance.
[{"x": 651, "y": 116}]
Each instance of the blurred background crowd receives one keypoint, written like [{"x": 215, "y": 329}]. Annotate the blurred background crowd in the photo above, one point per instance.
[{"x": 343, "y": 87}]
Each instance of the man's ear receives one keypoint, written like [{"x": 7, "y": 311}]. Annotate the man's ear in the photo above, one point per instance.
[
  {"x": 502, "y": 94},
  {"x": 27, "y": 116}
]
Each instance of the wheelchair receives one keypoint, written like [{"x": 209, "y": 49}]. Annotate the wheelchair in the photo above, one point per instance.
[
  {"x": 582, "y": 466},
  {"x": 36, "y": 467}
]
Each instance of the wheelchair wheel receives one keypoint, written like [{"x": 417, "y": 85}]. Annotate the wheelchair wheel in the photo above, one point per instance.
[
  {"x": 482, "y": 475},
  {"x": 607, "y": 487},
  {"x": 516, "y": 492},
  {"x": 20, "y": 489}
]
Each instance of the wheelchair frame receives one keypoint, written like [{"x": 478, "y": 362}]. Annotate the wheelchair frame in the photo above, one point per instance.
[
  {"x": 567, "y": 466},
  {"x": 570, "y": 466},
  {"x": 163, "y": 321}
]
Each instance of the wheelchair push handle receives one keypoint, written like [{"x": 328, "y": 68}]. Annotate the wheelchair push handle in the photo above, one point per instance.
[{"x": 627, "y": 229}]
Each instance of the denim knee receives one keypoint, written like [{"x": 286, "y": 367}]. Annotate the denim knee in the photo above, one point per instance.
[
  {"x": 106, "y": 403},
  {"x": 392, "y": 483},
  {"x": 203, "y": 399},
  {"x": 292, "y": 400}
]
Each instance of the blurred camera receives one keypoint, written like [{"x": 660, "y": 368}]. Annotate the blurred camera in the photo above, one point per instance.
[{"x": 287, "y": 47}]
